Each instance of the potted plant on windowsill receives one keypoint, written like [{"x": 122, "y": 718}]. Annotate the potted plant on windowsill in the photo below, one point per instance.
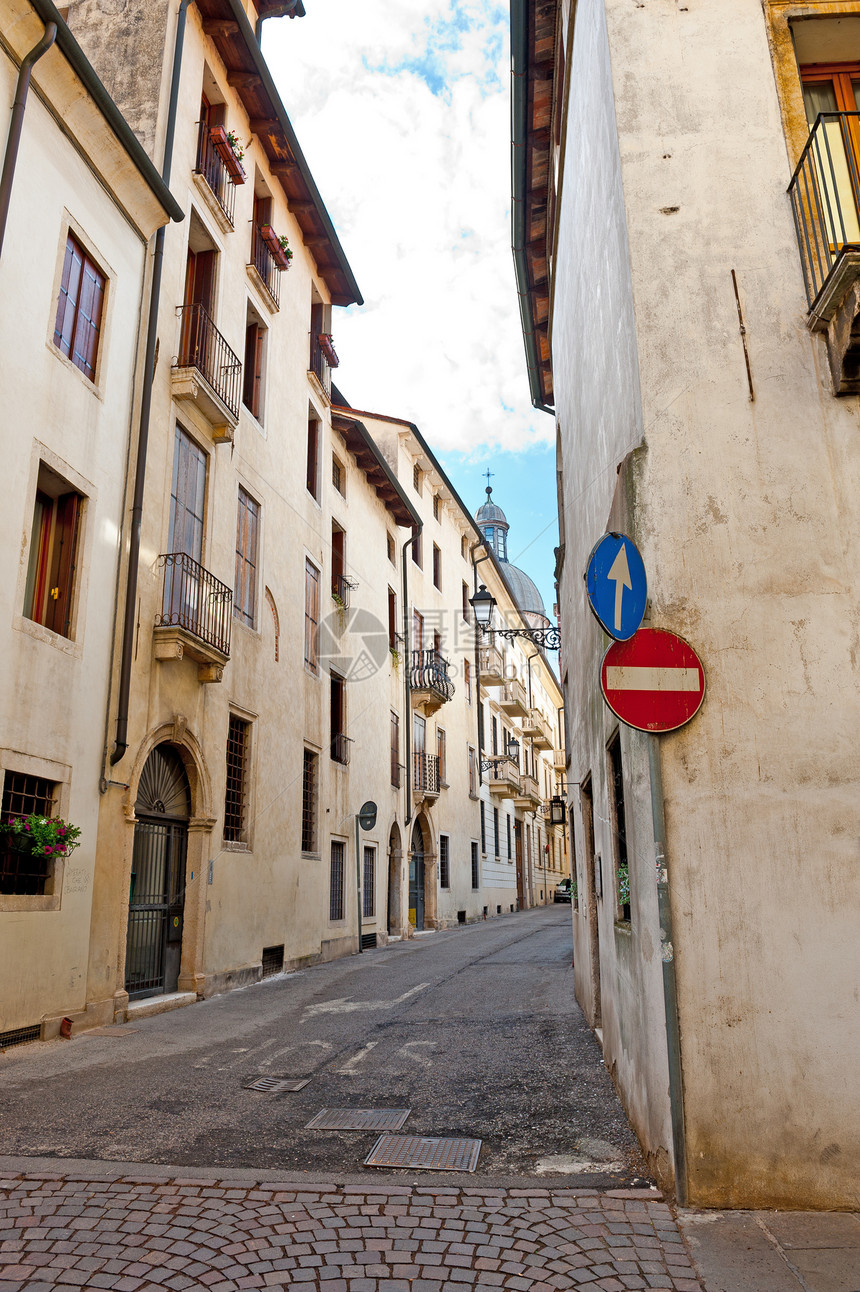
[
  {"x": 227, "y": 146},
  {"x": 41, "y": 836},
  {"x": 326, "y": 344},
  {"x": 624, "y": 892},
  {"x": 278, "y": 245}
]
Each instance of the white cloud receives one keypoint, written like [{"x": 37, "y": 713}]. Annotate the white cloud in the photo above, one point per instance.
[{"x": 402, "y": 111}]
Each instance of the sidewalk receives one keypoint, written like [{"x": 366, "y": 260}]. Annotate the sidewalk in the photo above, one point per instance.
[{"x": 774, "y": 1251}]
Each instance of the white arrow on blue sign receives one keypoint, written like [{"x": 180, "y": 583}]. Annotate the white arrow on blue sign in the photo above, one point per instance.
[{"x": 617, "y": 586}]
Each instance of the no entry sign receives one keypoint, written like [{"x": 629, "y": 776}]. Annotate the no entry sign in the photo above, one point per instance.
[{"x": 654, "y": 682}]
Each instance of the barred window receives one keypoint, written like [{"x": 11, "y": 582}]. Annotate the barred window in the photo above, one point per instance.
[
  {"x": 337, "y": 474},
  {"x": 496, "y": 831},
  {"x": 444, "y": 862},
  {"x": 335, "y": 907},
  {"x": 312, "y": 616},
  {"x": 476, "y": 877},
  {"x": 23, "y": 873},
  {"x": 416, "y": 478},
  {"x": 309, "y": 802},
  {"x": 368, "y": 883},
  {"x": 483, "y": 829},
  {"x": 236, "y": 795},
  {"x": 437, "y": 507}
]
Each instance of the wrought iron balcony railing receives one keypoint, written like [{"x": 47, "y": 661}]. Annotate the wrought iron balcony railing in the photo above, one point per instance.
[
  {"x": 825, "y": 197},
  {"x": 196, "y": 601},
  {"x": 210, "y": 165},
  {"x": 320, "y": 365},
  {"x": 425, "y": 773},
  {"x": 340, "y": 748},
  {"x": 202, "y": 346},
  {"x": 341, "y": 587},
  {"x": 264, "y": 263},
  {"x": 429, "y": 672}
]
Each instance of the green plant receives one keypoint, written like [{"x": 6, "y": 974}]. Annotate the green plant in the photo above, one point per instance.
[
  {"x": 395, "y": 657},
  {"x": 284, "y": 244},
  {"x": 45, "y": 836},
  {"x": 623, "y": 885},
  {"x": 233, "y": 141}
]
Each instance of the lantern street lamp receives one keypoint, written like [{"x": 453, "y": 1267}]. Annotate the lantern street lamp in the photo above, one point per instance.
[
  {"x": 483, "y": 604},
  {"x": 556, "y": 810},
  {"x": 512, "y": 752}
]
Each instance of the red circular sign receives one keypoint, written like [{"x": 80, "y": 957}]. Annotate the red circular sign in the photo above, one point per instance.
[{"x": 654, "y": 681}]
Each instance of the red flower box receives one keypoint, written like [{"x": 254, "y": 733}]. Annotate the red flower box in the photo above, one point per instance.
[
  {"x": 280, "y": 255},
  {"x": 221, "y": 143},
  {"x": 327, "y": 346}
]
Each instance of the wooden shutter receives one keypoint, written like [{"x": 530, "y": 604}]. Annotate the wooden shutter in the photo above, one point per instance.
[{"x": 59, "y": 602}]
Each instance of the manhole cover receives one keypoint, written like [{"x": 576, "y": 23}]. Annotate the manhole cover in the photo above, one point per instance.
[
  {"x": 359, "y": 1119},
  {"x": 425, "y": 1154},
  {"x": 276, "y": 1085}
]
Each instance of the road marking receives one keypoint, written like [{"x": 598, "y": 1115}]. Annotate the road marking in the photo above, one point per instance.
[
  {"x": 297, "y": 1045},
  {"x": 241, "y": 1055},
  {"x": 348, "y": 1069},
  {"x": 423, "y": 1059},
  {"x": 346, "y": 1005},
  {"x": 627, "y": 678}
]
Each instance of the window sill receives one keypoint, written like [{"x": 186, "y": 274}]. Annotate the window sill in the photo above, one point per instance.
[
  {"x": 64, "y": 359},
  {"x": 312, "y": 856},
  {"x": 232, "y": 845},
  {"x": 64, "y": 644},
  {"x": 263, "y": 289},
  {"x": 225, "y": 224}
]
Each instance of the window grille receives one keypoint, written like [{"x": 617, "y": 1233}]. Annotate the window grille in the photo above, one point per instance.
[
  {"x": 437, "y": 507},
  {"x": 416, "y": 478},
  {"x": 335, "y": 910},
  {"x": 337, "y": 475},
  {"x": 368, "y": 883},
  {"x": 444, "y": 862},
  {"x": 475, "y": 871},
  {"x": 273, "y": 960},
  {"x": 309, "y": 802},
  {"x": 235, "y": 804},
  {"x": 24, "y": 873}
]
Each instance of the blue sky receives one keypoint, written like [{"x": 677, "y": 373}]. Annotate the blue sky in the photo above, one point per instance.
[{"x": 403, "y": 112}]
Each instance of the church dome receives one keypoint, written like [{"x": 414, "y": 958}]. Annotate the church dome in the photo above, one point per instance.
[
  {"x": 526, "y": 595},
  {"x": 490, "y": 513}
]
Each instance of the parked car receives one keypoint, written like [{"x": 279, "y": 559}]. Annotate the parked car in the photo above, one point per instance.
[{"x": 562, "y": 891}]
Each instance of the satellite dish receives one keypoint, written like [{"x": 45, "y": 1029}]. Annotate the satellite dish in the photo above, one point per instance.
[{"x": 367, "y": 815}]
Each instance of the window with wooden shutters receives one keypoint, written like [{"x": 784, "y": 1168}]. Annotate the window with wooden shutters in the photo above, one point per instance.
[
  {"x": 51, "y": 567},
  {"x": 416, "y": 546},
  {"x": 252, "y": 378},
  {"x": 309, "y": 801},
  {"x": 473, "y": 772},
  {"x": 236, "y": 792},
  {"x": 247, "y": 535},
  {"x": 312, "y": 481},
  {"x": 79, "y": 309},
  {"x": 392, "y": 619},
  {"x": 368, "y": 883},
  {"x": 395, "y": 751},
  {"x": 312, "y": 616},
  {"x": 442, "y": 755},
  {"x": 437, "y": 567},
  {"x": 467, "y": 680},
  {"x": 336, "y": 884}
]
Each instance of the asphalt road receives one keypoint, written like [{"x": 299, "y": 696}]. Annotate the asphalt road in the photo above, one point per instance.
[{"x": 475, "y": 1029}]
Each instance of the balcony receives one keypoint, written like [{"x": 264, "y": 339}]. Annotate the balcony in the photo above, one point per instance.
[
  {"x": 559, "y": 760},
  {"x": 320, "y": 367},
  {"x": 341, "y": 587},
  {"x": 214, "y": 179},
  {"x": 196, "y": 616},
  {"x": 264, "y": 269},
  {"x": 537, "y": 728},
  {"x": 429, "y": 682},
  {"x": 425, "y": 776},
  {"x": 340, "y": 749},
  {"x": 207, "y": 373},
  {"x": 825, "y": 202},
  {"x": 503, "y": 778},
  {"x": 513, "y": 699},
  {"x": 492, "y": 666},
  {"x": 528, "y": 796}
]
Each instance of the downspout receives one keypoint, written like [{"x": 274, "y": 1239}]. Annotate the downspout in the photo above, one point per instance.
[
  {"x": 519, "y": 131},
  {"x": 670, "y": 988},
  {"x": 121, "y": 742},
  {"x": 407, "y": 671},
  {"x": 16, "y": 122},
  {"x": 480, "y": 710}
]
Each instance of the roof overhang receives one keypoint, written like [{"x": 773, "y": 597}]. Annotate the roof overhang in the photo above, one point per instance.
[{"x": 370, "y": 460}]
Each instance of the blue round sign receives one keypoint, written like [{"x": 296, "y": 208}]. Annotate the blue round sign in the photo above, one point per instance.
[{"x": 617, "y": 586}]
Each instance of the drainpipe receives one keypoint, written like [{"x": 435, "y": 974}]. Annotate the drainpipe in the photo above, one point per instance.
[
  {"x": 16, "y": 122},
  {"x": 121, "y": 741},
  {"x": 670, "y": 989},
  {"x": 472, "y": 550},
  {"x": 407, "y": 704}
]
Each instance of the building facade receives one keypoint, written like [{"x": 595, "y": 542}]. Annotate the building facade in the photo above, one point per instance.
[{"x": 685, "y": 238}]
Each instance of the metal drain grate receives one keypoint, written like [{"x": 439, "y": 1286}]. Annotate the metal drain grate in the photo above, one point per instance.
[
  {"x": 277, "y": 1085},
  {"x": 359, "y": 1119},
  {"x": 20, "y": 1036},
  {"x": 368, "y": 941},
  {"x": 425, "y": 1154}
]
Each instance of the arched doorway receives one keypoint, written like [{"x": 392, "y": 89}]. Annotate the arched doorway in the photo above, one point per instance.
[
  {"x": 395, "y": 863},
  {"x": 157, "y": 890},
  {"x": 416, "y": 878}
]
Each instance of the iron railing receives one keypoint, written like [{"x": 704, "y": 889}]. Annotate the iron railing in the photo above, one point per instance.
[
  {"x": 341, "y": 586},
  {"x": 264, "y": 263},
  {"x": 319, "y": 365},
  {"x": 429, "y": 672},
  {"x": 202, "y": 346},
  {"x": 340, "y": 748},
  {"x": 825, "y": 196},
  {"x": 425, "y": 773},
  {"x": 210, "y": 165},
  {"x": 196, "y": 601}
]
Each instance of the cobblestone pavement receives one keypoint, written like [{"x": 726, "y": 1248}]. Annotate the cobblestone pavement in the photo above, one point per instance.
[{"x": 143, "y": 1232}]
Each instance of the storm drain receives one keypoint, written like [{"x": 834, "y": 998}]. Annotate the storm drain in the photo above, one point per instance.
[
  {"x": 277, "y": 1085},
  {"x": 359, "y": 1119},
  {"x": 425, "y": 1154}
]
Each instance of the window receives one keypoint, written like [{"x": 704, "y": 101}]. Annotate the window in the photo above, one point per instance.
[
  {"x": 417, "y": 630},
  {"x": 442, "y": 755},
  {"x": 467, "y": 680},
  {"x": 416, "y": 478},
  {"x": 391, "y": 548},
  {"x": 476, "y": 873},
  {"x": 416, "y": 546},
  {"x": 339, "y": 585},
  {"x": 312, "y": 616},
  {"x": 437, "y": 508},
  {"x": 444, "y": 862},
  {"x": 335, "y": 901},
  {"x": 312, "y": 477},
  {"x": 463, "y": 546},
  {"x": 247, "y": 533},
  {"x": 236, "y": 794},
  {"x": 473, "y": 773},
  {"x": 395, "y": 751},
  {"x": 24, "y": 874},
  {"x": 392, "y": 619},
  {"x": 437, "y": 567},
  {"x": 79, "y": 309},
  {"x": 508, "y": 815},
  {"x": 252, "y": 373},
  {"x": 338, "y": 474},
  {"x": 48, "y": 592},
  {"x": 619, "y": 825},
  {"x": 496, "y": 831},
  {"x": 483, "y": 830},
  {"x": 466, "y": 606},
  {"x": 339, "y": 740},
  {"x": 494, "y": 726},
  {"x": 368, "y": 883},
  {"x": 309, "y": 801}
]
